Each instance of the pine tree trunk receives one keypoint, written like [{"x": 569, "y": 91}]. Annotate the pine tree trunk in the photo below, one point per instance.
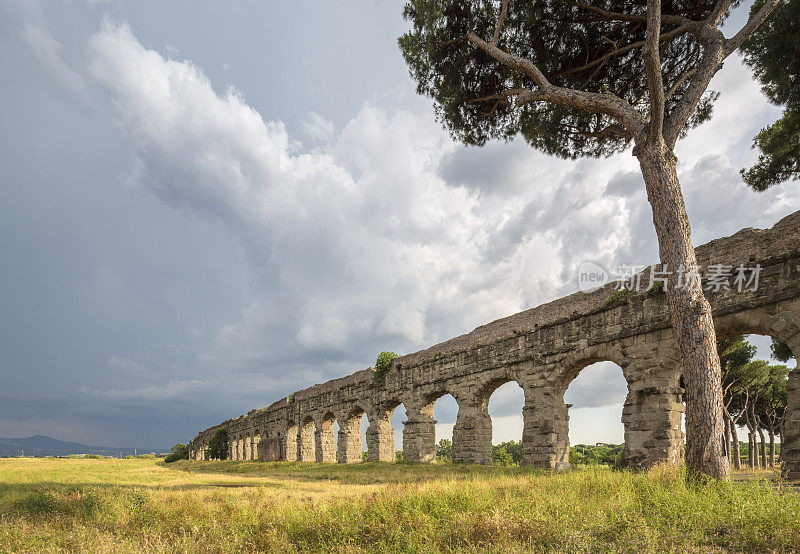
[
  {"x": 690, "y": 314},
  {"x": 762, "y": 447},
  {"x": 771, "y": 432},
  {"x": 726, "y": 443},
  {"x": 737, "y": 453}
]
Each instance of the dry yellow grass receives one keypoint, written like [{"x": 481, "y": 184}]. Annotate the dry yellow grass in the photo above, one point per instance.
[{"x": 145, "y": 505}]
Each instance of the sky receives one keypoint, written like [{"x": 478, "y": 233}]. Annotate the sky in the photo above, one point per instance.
[{"x": 206, "y": 206}]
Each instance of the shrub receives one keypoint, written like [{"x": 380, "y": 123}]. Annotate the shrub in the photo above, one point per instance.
[
  {"x": 179, "y": 452},
  {"x": 384, "y": 363},
  {"x": 656, "y": 289}
]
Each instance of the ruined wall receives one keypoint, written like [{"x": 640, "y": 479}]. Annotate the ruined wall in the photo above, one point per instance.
[{"x": 543, "y": 349}]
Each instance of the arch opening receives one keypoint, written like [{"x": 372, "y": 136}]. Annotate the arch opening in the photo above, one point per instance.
[
  {"x": 443, "y": 412},
  {"x": 505, "y": 420},
  {"x": 397, "y": 421},
  {"x": 593, "y": 416}
]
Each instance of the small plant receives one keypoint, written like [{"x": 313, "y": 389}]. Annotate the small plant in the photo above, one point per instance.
[
  {"x": 616, "y": 296},
  {"x": 384, "y": 363},
  {"x": 290, "y": 398},
  {"x": 656, "y": 289}
]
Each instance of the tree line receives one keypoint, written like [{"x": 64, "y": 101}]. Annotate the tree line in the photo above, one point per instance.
[{"x": 754, "y": 397}]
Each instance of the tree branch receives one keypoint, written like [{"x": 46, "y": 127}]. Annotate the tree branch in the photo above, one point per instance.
[
  {"x": 622, "y": 50},
  {"x": 500, "y": 21},
  {"x": 715, "y": 49},
  {"x": 652, "y": 62},
  {"x": 733, "y": 43},
  {"x": 711, "y": 41},
  {"x": 679, "y": 82},
  {"x": 605, "y": 103},
  {"x": 719, "y": 11}
]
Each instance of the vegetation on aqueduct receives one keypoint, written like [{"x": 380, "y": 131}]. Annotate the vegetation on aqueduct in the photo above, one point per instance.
[{"x": 143, "y": 505}]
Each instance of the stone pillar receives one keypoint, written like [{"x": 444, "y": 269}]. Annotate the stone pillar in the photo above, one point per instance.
[
  {"x": 240, "y": 448},
  {"x": 419, "y": 438},
  {"x": 247, "y": 447},
  {"x": 790, "y": 449},
  {"x": 306, "y": 439},
  {"x": 380, "y": 440},
  {"x": 652, "y": 420},
  {"x": 258, "y": 447},
  {"x": 472, "y": 435},
  {"x": 231, "y": 448},
  {"x": 290, "y": 444},
  {"x": 350, "y": 441},
  {"x": 326, "y": 443},
  {"x": 545, "y": 436}
]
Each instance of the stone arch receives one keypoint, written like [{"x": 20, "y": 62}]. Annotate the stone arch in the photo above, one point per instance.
[
  {"x": 349, "y": 443},
  {"x": 473, "y": 430},
  {"x": 651, "y": 415},
  {"x": 419, "y": 433},
  {"x": 381, "y": 432},
  {"x": 325, "y": 438}
]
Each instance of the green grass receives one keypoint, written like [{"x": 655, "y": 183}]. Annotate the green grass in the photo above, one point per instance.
[{"x": 144, "y": 505}]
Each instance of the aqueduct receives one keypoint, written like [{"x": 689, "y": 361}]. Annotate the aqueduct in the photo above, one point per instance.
[{"x": 542, "y": 349}]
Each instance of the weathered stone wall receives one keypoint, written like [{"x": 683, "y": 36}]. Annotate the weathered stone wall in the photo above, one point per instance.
[{"x": 543, "y": 349}]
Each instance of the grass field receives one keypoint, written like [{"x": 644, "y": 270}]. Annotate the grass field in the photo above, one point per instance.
[{"x": 144, "y": 505}]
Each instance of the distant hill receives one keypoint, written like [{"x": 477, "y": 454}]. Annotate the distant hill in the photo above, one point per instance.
[{"x": 41, "y": 445}]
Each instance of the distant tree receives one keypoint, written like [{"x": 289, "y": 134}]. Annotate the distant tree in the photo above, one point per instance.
[
  {"x": 771, "y": 406},
  {"x": 179, "y": 452},
  {"x": 597, "y": 454},
  {"x": 577, "y": 79},
  {"x": 514, "y": 450},
  {"x": 444, "y": 451},
  {"x": 773, "y": 51},
  {"x": 218, "y": 445},
  {"x": 501, "y": 456},
  {"x": 734, "y": 355}
]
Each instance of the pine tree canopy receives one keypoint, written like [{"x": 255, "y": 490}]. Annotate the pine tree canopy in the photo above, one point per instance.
[
  {"x": 596, "y": 48},
  {"x": 773, "y": 52}
]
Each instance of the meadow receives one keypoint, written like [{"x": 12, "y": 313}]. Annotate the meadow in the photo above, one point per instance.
[{"x": 136, "y": 505}]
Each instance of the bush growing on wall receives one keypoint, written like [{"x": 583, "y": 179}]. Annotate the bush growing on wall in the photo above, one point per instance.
[{"x": 384, "y": 362}]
